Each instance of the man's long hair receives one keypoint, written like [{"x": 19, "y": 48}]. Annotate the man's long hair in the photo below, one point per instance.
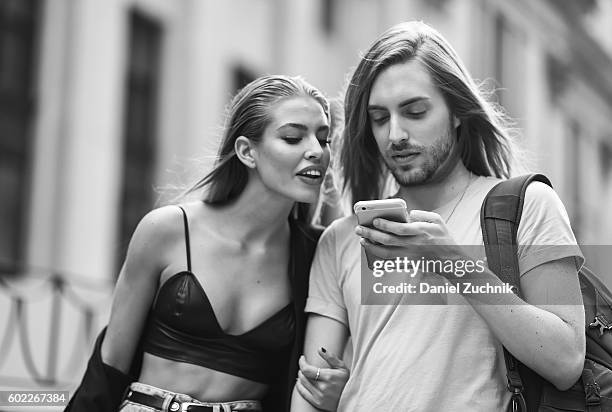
[{"x": 484, "y": 142}]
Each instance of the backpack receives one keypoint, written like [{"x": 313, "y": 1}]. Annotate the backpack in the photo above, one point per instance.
[{"x": 499, "y": 217}]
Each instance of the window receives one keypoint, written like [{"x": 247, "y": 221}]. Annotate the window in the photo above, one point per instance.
[
  {"x": 328, "y": 12},
  {"x": 510, "y": 45},
  {"x": 140, "y": 125},
  {"x": 498, "y": 49},
  {"x": 574, "y": 177},
  {"x": 242, "y": 77},
  {"x": 438, "y": 5},
  {"x": 605, "y": 159},
  {"x": 19, "y": 21}
]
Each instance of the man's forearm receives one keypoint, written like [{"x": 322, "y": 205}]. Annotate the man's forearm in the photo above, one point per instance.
[{"x": 535, "y": 335}]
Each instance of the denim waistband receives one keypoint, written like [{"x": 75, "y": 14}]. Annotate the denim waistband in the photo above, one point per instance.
[{"x": 239, "y": 405}]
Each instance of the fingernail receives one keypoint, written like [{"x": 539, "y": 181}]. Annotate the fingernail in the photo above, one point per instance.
[
  {"x": 376, "y": 222},
  {"x": 323, "y": 350}
]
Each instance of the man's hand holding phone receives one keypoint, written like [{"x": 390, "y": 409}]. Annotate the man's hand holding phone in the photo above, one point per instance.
[
  {"x": 368, "y": 211},
  {"x": 387, "y": 233}
]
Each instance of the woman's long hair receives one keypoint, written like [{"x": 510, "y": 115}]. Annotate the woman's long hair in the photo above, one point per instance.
[
  {"x": 485, "y": 145},
  {"x": 248, "y": 115}
]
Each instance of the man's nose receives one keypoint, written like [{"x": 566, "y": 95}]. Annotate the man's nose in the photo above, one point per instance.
[{"x": 397, "y": 133}]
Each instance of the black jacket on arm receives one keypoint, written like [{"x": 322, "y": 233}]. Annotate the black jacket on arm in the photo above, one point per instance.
[{"x": 102, "y": 387}]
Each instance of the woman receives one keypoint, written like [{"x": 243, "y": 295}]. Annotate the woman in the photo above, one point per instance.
[{"x": 211, "y": 295}]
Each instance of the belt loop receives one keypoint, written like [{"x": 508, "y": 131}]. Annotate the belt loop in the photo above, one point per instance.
[
  {"x": 126, "y": 392},
  {"x": 169, "y": 404}
]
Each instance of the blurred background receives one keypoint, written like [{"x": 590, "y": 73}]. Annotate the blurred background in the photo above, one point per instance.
[{"x": 103, "y": 102}]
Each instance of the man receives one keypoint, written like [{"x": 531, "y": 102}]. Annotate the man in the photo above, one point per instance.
[{"x": 412, "y": 111}]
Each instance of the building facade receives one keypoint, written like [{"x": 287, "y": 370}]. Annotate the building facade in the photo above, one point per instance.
[{"x": 104, "y": 104}]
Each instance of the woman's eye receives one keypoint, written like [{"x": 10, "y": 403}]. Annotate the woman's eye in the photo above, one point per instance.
[
  {"x": 324, "y": 138},
  {"x": 291, "y": 139}
]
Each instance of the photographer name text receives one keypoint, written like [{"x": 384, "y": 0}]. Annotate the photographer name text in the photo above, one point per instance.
[{"x": 466, "y": 288}]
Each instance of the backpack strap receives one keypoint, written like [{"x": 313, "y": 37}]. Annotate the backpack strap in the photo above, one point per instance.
[{"x": 500, "y": 216}]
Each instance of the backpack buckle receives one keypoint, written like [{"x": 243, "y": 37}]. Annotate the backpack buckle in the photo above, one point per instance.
[
  {"x": 602, "y": 323},
  {"x": 593, "y": 395},
  {"x": 514, "y": 387},
  {"x": 514, "y": 390}
]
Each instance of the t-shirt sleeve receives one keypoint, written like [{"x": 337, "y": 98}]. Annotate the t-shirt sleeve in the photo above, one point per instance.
[
  {"x": 325, "y": 292},
  {"x": 544, "y": 233}
]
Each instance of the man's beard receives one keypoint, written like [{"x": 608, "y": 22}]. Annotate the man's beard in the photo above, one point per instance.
[{"x": 431, "y": 159}]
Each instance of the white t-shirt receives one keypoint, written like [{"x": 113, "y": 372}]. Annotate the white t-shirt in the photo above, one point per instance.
[{"x": 429, "y": 357}]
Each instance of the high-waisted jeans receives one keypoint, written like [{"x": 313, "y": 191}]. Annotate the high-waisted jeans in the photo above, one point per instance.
[{"x": 170, "y": 400}]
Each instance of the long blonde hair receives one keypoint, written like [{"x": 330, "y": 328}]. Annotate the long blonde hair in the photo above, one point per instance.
[{"x": 249, "y": 115}]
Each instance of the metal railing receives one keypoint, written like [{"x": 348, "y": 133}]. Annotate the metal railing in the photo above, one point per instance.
[{"x": 48, "y": 326}]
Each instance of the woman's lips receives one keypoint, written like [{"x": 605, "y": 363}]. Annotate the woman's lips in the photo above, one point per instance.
[{"x": 311, "y": 175}]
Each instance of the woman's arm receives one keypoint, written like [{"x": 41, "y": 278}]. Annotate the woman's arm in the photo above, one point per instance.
[
  {"x": 137, "y": 285},
  {"x": 327, "y": 333}
]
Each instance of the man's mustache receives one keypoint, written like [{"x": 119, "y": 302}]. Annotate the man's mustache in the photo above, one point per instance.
[{"x": 405, "y": 146}]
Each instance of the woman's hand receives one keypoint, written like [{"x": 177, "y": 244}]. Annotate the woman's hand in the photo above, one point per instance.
[{"x": 322, "y": 387}]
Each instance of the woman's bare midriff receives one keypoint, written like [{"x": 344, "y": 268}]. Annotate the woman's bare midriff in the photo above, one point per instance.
[{"x": 197, "y": 381}]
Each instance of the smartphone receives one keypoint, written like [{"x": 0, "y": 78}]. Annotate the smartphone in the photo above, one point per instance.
[
  {"x": 390, "y": 209},
  {"x": 368, "y": 210}
]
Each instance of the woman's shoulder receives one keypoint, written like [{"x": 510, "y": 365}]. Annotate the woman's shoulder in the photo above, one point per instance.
[
  {"x": 154, "y": 239},
  {"x": 158, "y": 228},
  {"x": 165, "y": 220}
]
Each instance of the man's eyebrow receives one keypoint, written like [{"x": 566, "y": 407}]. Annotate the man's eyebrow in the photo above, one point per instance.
[
  {"x": 402, "y": 104},
  {"x": 413, "y": 100}
]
